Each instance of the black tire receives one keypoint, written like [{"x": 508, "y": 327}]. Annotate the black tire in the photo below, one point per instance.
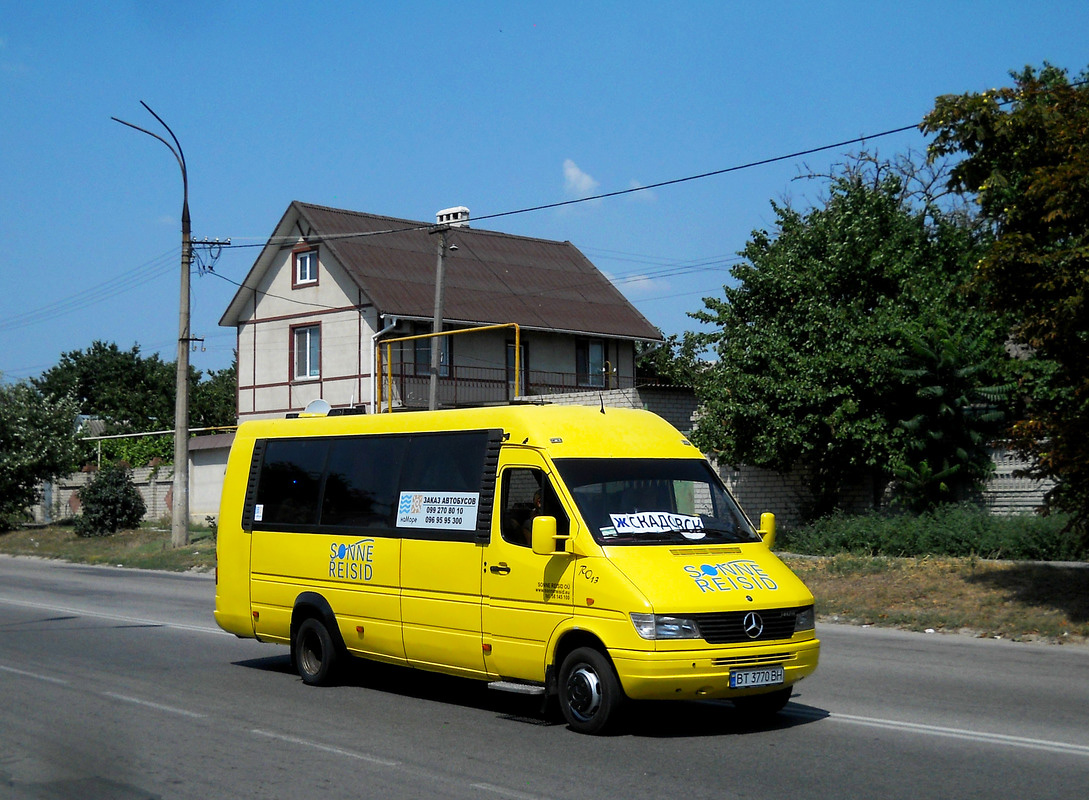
[
  {"x": 763, "y": 705},
  {"x": 589, "y": 691},
  {"x": 314, "y": 653}
]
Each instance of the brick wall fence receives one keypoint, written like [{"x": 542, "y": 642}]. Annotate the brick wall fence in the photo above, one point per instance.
[{"x": 61, "y": 498}]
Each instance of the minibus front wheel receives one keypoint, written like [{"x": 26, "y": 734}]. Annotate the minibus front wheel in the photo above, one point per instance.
[
  {"x": 314, "y": 653},
  {"x": 590, "y": 692}
]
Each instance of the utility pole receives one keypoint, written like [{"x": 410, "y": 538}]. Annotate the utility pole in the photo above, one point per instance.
[
  {"x": 179, "y": 535},
  {"x": 436, "y": 326}
]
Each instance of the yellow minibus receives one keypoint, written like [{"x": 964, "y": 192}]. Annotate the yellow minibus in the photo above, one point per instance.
[{"x": 592, "y": 555}]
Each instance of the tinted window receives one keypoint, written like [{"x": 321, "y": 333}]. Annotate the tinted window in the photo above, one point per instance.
[
  {"x": 361, "y": 487},
  {"x": 445, "y": 462},
  {"x": 358, "y": 481},
  {"x": 527, "y": 493},
  {"x": 290, "y": 482}
]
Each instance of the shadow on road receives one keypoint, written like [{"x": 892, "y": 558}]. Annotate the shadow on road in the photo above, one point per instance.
[{"x": 657, "y": 720}]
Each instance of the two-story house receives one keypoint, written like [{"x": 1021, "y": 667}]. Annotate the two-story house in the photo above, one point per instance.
[{"x": 330, "y": 286}]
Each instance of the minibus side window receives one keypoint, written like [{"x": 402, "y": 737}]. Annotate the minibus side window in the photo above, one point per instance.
[
  {"x": 325, "y": 484},
  {"x": 290, "y": 483},
  {"x": 527, "y": 493},
  {"x": 361, "y": 486},
  {"x": 445, "y": 462}
]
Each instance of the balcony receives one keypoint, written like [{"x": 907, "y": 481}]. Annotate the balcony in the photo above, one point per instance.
[{"x": 478, "y": 386}]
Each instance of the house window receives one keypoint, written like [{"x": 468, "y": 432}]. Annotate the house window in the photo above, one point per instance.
[
  {"x": 306, "y": 352},
  {"x": 306, "y": 268},
  {"x": 590, "y": 362},
  {"x": 422, "y": 353}
]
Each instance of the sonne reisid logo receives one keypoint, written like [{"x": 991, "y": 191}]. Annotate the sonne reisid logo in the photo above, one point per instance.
[{"x": 352, "y": 561}]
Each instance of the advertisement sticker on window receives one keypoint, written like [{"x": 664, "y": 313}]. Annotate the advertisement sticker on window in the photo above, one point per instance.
[{"x": 450, "y": 511}]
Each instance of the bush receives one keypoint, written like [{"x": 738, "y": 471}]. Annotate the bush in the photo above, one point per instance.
[
  {"x": 109, "y": 503},
  {"x": 954, "y": 530}
]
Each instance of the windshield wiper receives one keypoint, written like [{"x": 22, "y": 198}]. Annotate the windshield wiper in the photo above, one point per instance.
[{"x": 735, "y": 534}]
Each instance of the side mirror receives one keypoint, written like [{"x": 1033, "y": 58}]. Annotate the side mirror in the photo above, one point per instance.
[
  {"x": 767, "y": 529},
  {"x": 545, "y": 540}
]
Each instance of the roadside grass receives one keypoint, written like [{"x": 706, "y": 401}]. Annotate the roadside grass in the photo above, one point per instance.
[
  {"x": 1017, "y": 600},
  {"x": 144, "y": 548},
  {"x": 1021, "y": 601}
]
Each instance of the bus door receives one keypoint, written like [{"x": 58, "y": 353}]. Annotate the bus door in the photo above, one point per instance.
[{"x": 525, "y": 595}]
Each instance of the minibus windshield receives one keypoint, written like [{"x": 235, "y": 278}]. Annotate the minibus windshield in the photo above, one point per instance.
[{"x": 638, "y": 501}]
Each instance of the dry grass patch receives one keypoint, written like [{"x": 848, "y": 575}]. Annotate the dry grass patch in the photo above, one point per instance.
[
  {"x": 1011, "y": 600},
  {"x": 145, "y": 548}
]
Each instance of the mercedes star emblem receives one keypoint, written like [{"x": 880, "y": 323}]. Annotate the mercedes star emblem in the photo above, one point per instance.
[{"x": 754, "y": 626}]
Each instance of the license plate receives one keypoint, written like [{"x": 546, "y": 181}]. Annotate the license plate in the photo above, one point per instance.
[{"x": 765, "y": 676}]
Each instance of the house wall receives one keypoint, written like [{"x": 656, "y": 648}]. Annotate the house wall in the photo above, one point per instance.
[
  {"x": 267, "y": 385},
  {"x": 554, "y": 354}
]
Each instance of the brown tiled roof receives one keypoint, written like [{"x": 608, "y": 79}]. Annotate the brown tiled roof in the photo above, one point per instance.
[{"x": 491, "y": 277}]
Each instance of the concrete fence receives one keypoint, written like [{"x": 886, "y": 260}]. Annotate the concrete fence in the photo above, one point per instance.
[
  {"x": 757, "y": 489},
  {"x": 207, "y": 464},
  {"x": 60, "y": 500}
]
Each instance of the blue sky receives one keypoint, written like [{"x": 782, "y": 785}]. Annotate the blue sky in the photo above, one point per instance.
[{"x": 407, "y": 108}]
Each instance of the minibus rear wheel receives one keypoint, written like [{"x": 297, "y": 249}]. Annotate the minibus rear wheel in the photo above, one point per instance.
[
  {"x": 590, "y": 692},
  {"x": 315, "y": 654}
]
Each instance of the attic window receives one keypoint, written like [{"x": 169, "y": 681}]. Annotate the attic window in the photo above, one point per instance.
[{"x": 304, "y": 268}]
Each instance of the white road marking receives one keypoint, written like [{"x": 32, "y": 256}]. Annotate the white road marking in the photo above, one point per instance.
[
  {"x": 983, "y": 737},
  {"x": 340, "y": 751},
  {"x": 34, "y": 675},
  {"x": 156, "y": 706},
  {"x": 487, "y": 787}
]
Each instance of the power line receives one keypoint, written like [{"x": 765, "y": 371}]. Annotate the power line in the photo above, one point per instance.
[
  {"x": 124, "y": 283},
  {"x": 702, "y": 175},
  {"x": 277, "y": 296},
  {"x": 544, "y": 207},
  {"x": 120, "y": 284}
]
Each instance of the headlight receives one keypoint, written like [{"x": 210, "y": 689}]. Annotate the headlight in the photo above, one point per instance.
[
  {"x": 660, "y": 626},
  {"x": 804, "y": 619}
]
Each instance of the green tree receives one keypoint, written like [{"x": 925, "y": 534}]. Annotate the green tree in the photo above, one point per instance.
[
  {"x": 214, "y": 400},
  {"x": 1025, "y": 158},
  {"x": 812, "y": 363},
  {"x": 946, "y": 457},
  {"x": 37, "y": 443},
  {"x": 671, "y": 361},
  {"x": 133, "y": 392}
]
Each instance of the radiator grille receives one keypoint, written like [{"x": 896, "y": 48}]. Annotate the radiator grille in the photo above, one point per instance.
[{"x": 736, "y": 627}]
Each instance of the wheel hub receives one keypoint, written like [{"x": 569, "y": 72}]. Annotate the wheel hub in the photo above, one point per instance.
[{"x": 584, "y": 689}]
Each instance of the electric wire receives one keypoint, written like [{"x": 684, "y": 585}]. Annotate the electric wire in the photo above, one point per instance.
[{"x": 121, "y": 284}]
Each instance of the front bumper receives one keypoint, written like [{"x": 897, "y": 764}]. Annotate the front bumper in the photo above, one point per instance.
[{"x": 705, "y": 673}]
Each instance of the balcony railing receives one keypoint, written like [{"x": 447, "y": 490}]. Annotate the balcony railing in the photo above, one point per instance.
[{"x": 476, "y": 386}]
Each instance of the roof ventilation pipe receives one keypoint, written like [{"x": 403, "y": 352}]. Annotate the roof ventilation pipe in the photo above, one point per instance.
[{"x": 456, "y": 217}]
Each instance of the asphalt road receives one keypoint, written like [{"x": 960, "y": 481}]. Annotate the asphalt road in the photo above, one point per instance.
[{"x": 117, "y": 684}]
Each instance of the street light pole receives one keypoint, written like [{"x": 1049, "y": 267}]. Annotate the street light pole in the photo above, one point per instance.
[{"x": 179, "y": 529}]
